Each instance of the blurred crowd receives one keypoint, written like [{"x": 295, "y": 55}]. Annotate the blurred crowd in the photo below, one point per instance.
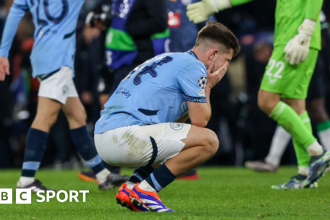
[{"x": 244, "y": 132}]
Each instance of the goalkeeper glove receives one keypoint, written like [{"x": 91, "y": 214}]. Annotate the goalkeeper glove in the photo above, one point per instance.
[
  {"x": 201, "y": 11},
  {"x": 296, "y": 50}
]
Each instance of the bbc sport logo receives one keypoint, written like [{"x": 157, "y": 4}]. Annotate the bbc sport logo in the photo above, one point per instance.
[{"x": 24, "y": 196}]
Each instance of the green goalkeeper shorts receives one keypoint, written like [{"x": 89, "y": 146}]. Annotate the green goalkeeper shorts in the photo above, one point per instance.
[{"x": 290, "y": 81}]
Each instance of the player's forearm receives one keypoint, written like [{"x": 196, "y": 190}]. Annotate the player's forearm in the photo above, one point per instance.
[
  {"x": 207, "y": 95},
  {"x": 200, "y": 113},
  {"x": 15, "y": 15},
  {"x": 313, "y": 9}
]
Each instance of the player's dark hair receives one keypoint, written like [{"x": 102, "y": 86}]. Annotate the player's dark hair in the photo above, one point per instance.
[{"x": 217, "y": 32}]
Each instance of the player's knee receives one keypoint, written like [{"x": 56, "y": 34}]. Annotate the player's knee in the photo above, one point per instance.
[
  {"x": 46, "y": 120},
  {"x": 51, "y": 120},
  {"x": 81, "y": 117},
  {"x": 265, "y": 105},
  {"x": 77, "y": 115},
  {"x": 213, "y": 143}
]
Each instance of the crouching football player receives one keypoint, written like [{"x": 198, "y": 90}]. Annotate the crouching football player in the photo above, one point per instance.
[{"x": 142, "y": 124}]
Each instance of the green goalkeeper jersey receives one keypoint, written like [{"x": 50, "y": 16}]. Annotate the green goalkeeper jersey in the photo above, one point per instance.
[{"x": 289, "y": 15}]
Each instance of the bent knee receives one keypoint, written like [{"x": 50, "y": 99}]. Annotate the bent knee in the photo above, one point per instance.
[
  {"x": 267, "y": 106},
  {"x": 78, "y": 116},
  {"x": 212, "y": 143},
  {"x": 46, "y": 119},
  {"x": 267, "y": 101}
]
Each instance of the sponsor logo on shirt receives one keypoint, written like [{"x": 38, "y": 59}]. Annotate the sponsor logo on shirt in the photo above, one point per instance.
[{"x": 123, "y": 91}]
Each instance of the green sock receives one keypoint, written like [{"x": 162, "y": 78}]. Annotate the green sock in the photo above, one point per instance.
[
  {"x": 323, "y": 131},
  {"x": 301, "y": 152},
  {"x": 323, "y": 126},
  {"x": 291, "y": 122}
]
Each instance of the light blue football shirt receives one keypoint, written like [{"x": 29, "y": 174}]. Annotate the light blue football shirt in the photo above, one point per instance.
[
  {"x": 55, "y": 23},
  {"x": 155, "y": 92}
]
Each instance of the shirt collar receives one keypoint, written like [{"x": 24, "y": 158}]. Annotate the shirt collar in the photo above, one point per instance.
[{"x": 190, "y": 52}]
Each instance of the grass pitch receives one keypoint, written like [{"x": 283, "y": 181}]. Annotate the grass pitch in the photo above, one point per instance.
[{"x": 221, "y": 193}]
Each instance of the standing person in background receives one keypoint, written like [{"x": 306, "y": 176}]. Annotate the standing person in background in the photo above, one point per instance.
[
  {"x": 287, "y": 76},
  {"x": 138, "y": 32},
  {"x": 52, "y": 60},
  {"x": 316, "y": 108}
]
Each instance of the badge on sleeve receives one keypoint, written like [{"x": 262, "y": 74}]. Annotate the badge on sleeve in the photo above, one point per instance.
[{"x": 202, "y": 81}]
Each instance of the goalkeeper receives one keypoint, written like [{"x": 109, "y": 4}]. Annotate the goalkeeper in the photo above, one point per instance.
[{"x": 285, "y": 83}]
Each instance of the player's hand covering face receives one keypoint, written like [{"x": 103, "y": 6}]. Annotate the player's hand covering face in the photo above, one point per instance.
[
  {"x": 4, "y": 68},
  {"x": 214, "y": 76}
]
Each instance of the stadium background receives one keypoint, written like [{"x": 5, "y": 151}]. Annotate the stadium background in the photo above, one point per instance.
[{"x": 244, "y": 131}]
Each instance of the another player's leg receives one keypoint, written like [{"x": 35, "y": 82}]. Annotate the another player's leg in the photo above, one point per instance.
[
  {"x": 316, "y": 108},
  {"x": 90, "y": 175},
  {"x": 296, "y": 182},
  {"x": 200, "y": 145},
  {"x": 106, "y": 85},
  {"x": 279, "y": 143},
  {"x": 36, "y": 143},
  {"x": 316, "y": 103},
  {"x": 292, "y": 83},
  {"x": 76, "y": 115},
  {"x": 317, "y": 111},
  {"x": 289, "y": 119},
  {"x": 319, "y": 159}
]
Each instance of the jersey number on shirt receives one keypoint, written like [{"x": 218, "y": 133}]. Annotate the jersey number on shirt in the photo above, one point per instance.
[
  {"x": 56, "y": 20},
  {"x": 148, "y": 69}
]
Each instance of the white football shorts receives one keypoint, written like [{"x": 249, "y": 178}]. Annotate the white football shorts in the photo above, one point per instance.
[
  {"x": 58, "y": 86},
  {"x": 135, "y": 146}
]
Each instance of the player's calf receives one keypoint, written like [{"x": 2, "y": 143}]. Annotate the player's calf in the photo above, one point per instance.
[{"x": 267, "y": 101}]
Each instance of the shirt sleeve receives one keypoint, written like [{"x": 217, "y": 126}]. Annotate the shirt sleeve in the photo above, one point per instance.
[
  {"x": 17, "y": 11},
  {"x": 192, "y": 82},
  {"x": 313, "y": 9},
  {"x": 238, "y": 2}
]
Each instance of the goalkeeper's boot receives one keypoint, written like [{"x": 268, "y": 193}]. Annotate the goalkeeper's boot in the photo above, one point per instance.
[
  {"x": 317, "y": 166},
  {"x": 35, "y": 186},
  {"x": 113, "y": 181},
  {"x": 260, "y": 166},
  {"x": 328, "y": 169},
  {"x": 296, "y": 182},
  {"x": 147, "y": 201},
  {"x": 122, "y": 198}
]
